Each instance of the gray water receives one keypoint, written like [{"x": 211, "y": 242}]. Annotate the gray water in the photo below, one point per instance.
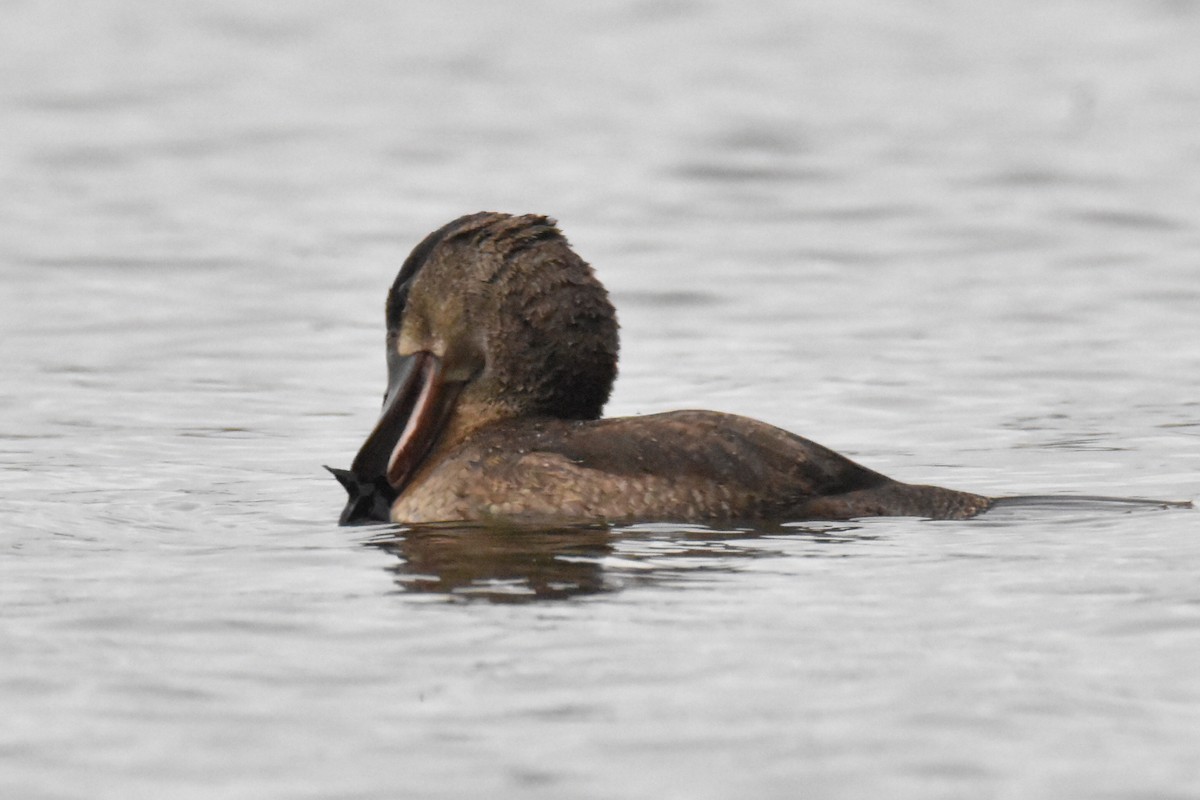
[{"x": 958, "y": 243}]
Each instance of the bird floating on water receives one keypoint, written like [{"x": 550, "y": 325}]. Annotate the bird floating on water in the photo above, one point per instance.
[{"x": 501, "y": 353}]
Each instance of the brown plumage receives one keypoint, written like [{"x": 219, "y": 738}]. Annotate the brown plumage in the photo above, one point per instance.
[{"x": 502, "y": 350}]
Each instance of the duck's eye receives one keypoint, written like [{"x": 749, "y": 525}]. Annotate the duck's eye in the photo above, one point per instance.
[{"x": 396, "y": 303}]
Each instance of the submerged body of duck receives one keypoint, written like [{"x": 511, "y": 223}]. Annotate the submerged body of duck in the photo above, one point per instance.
[{"x": 502, "y": 351}]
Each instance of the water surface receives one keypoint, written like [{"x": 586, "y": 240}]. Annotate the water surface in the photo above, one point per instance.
[{"x": 958, "y": 244}]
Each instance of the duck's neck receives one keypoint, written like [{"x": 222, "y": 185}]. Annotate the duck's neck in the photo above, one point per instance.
[{"x": 468, "y": 418}]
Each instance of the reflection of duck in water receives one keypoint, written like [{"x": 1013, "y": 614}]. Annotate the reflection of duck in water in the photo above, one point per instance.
[
  {"x": 520, "y": 563},
  {"x": 502, "y": 350},
  {"x": 511, "y": 564}
]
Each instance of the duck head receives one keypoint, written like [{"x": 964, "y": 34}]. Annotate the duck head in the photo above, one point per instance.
[{"x": 491, "y": 317}]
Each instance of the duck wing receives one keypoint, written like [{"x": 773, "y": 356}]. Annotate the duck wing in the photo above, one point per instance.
[{"x": 710, "y": 447}]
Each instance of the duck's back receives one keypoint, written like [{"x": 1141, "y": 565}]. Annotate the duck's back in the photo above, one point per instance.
[{"x": 682, "y": 466}]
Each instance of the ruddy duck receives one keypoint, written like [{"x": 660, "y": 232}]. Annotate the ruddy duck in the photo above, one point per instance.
[{"x": 501, "y": 353}]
